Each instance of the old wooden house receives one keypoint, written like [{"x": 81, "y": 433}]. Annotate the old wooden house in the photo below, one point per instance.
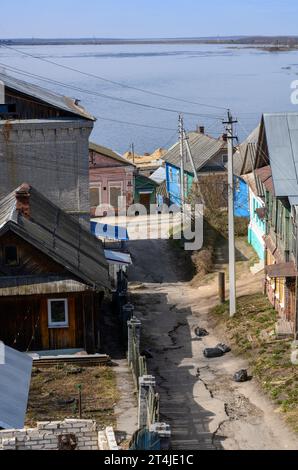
[
  {"x": 111, "y": 179},
  {"x": 276, "y": 173},
  {"x": 210, "y": 159},
  {"x": 53, "y": 276},
  {"x": 44, "y": 140}
]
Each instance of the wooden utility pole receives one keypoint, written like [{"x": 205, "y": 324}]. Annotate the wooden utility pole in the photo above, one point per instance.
[
  {"x": 181, "y": 137},
  {"x": 232, "y": 268},
  {"x": 133, "y": 152}
]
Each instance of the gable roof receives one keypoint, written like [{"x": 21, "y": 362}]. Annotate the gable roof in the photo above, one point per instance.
[
  {"x": 203, "y": 148},
  {"x": 100, "y": 149},
  {"x": 281, "y": 132},
  {"x": 58, "y": 235},
  {"x": 15, "y": 373},
  {"x": 46, "y": 96},
  {"x": 245, "y": 156}
]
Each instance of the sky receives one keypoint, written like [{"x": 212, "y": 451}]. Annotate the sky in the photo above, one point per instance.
[{"x": 147, "y": 18}]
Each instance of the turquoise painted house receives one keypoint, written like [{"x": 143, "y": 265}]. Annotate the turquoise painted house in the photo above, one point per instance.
[
  {"x": 209, "y": 155},
  {"x": 244, "y": 162}
]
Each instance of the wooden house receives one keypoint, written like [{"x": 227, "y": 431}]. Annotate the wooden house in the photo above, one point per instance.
[
  {"x": 53, "y": 276},
  {"x": 276, "y": 173},
  {"x": 111, "y": 178},
  {"x": 210, "y": 159}
]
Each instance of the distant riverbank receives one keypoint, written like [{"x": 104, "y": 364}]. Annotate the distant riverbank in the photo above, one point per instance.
[{"x": 270, "y": 44}]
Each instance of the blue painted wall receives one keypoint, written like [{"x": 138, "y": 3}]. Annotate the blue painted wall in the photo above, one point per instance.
[
  {"x": 241, "y": 198},
  {"x": 173, "y": 183}
]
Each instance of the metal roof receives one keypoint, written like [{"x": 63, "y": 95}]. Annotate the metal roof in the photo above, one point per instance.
[
  {"x": 59, "y": 236},
  {"x": 245, "y": 156},
  {"x": 203, "y": 148},
  {"x": 15, "y": 380},
  {"x": 44, "y": 95},
  {"x": 159, "y": 176},
  {"x": 100, "y": 149},
  {"x": 281, "y": 132}
]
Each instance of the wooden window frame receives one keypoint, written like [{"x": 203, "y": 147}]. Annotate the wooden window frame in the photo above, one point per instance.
[
  {"x": 17, "y": 257},
  {"x": 55, "y": 325}
]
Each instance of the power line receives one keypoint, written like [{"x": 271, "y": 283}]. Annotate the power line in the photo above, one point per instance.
[
  {"x": 123, "y": 85},
  {"x": 113, "y": 98}
]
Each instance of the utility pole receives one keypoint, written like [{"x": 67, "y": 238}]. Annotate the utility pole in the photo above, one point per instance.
[
  {"x": 190, "y": 157},
  {"x": 133, "y": 152},
  {"x": 181, "y": 136},
  {"x": 232, "y": 268}
]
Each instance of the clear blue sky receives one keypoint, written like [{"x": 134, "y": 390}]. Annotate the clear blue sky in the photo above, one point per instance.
[{"x": 147, "y": 18}]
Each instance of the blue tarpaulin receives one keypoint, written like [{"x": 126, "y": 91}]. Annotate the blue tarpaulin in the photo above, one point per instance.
[{"x": 112, "y": 232}]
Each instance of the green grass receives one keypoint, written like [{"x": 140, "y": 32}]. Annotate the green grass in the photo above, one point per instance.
[{"x": 251, "y": 333}]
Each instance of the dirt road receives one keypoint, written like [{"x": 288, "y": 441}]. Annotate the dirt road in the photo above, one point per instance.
[{"x": 205, "y": 408}]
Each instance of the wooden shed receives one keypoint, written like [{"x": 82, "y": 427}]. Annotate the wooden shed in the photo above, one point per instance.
[{"x": 53, "y": 276}]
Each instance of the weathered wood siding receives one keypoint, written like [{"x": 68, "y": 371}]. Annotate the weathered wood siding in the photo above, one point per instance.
[{"x": 24, "y": 323}]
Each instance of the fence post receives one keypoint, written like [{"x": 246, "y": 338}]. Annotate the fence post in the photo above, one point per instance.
[
  {"x": 134, "y": 333},
  {"x": 127, "y": 314},
  {"x": 221, "y": 287},
  {"x": 163, "y": 430},
  {"x": 145, "y": 383}
]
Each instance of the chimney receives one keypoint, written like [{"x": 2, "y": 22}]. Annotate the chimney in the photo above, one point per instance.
[
  {"x": 22, "y": 200},
  {"x": 225, "y": 137},
  {"x": 201, "y": 129}
]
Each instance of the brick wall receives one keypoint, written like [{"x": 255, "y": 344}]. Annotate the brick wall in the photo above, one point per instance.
[
  {"x": 50, "y": 155},
  {"x": 46, "y": 436}
]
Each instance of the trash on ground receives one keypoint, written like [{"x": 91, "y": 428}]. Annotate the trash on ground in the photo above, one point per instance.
[
  {"x": 213, "y": 352},
  {"x": 225, "y": 349},
  {"x": 200, "y": 332},
  {"x": 241, "y": 376}
]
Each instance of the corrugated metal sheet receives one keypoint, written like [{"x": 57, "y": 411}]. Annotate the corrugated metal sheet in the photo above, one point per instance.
[
  {"x": 44, "y": 95},
  {"x": 281, "y": 132},
  {"x": 203, "y": 148},
  {"x": 15, "y": 380},
  {"x": 60, "y": 236}
]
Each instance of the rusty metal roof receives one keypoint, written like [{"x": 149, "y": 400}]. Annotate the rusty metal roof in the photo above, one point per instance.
[
  {"x": 281, "y": 270},
  {"x": 46, "y": 96},
  {"x": 58, "y": 235},
  {"x": 203, "y": 148}
]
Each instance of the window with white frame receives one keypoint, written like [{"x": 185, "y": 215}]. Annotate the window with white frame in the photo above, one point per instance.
[
  {"x": 58, "y": 313},
  {"x": 115, "y": 194}
]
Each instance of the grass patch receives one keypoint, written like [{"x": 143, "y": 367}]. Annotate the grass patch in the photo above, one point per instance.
[
  {"x": 54, "y": 394},
  {"x": 251, "y": 333}
]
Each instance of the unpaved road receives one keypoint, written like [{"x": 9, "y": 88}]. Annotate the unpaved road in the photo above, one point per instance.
[{"x": 205, "y": 408}]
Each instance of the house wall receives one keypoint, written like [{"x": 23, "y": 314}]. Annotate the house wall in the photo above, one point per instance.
[
  {"x": 241, "y": 198},
  {"x": 103, "y": 177},
  {"x": 50, "y": 155},
  {"x": 280, "y": 291},
  {"x": 173, "y": 183},
  {"x": 26, "y": 327},
  {"x": 257, "y": 227},
  {"x": 144, "y": 185}
]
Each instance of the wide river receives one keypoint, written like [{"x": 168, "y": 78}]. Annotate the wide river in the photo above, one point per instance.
[{"x": 246, "y": 80}]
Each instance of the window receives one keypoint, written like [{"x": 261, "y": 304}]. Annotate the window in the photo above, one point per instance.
[
  {"x": 58, "y": 313},
  {"x": 11, "y": 256},
  {"x": 95, "y": 196},
  {"x": 225, "y": 159},
  {"x": 115, "y": 191}
]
